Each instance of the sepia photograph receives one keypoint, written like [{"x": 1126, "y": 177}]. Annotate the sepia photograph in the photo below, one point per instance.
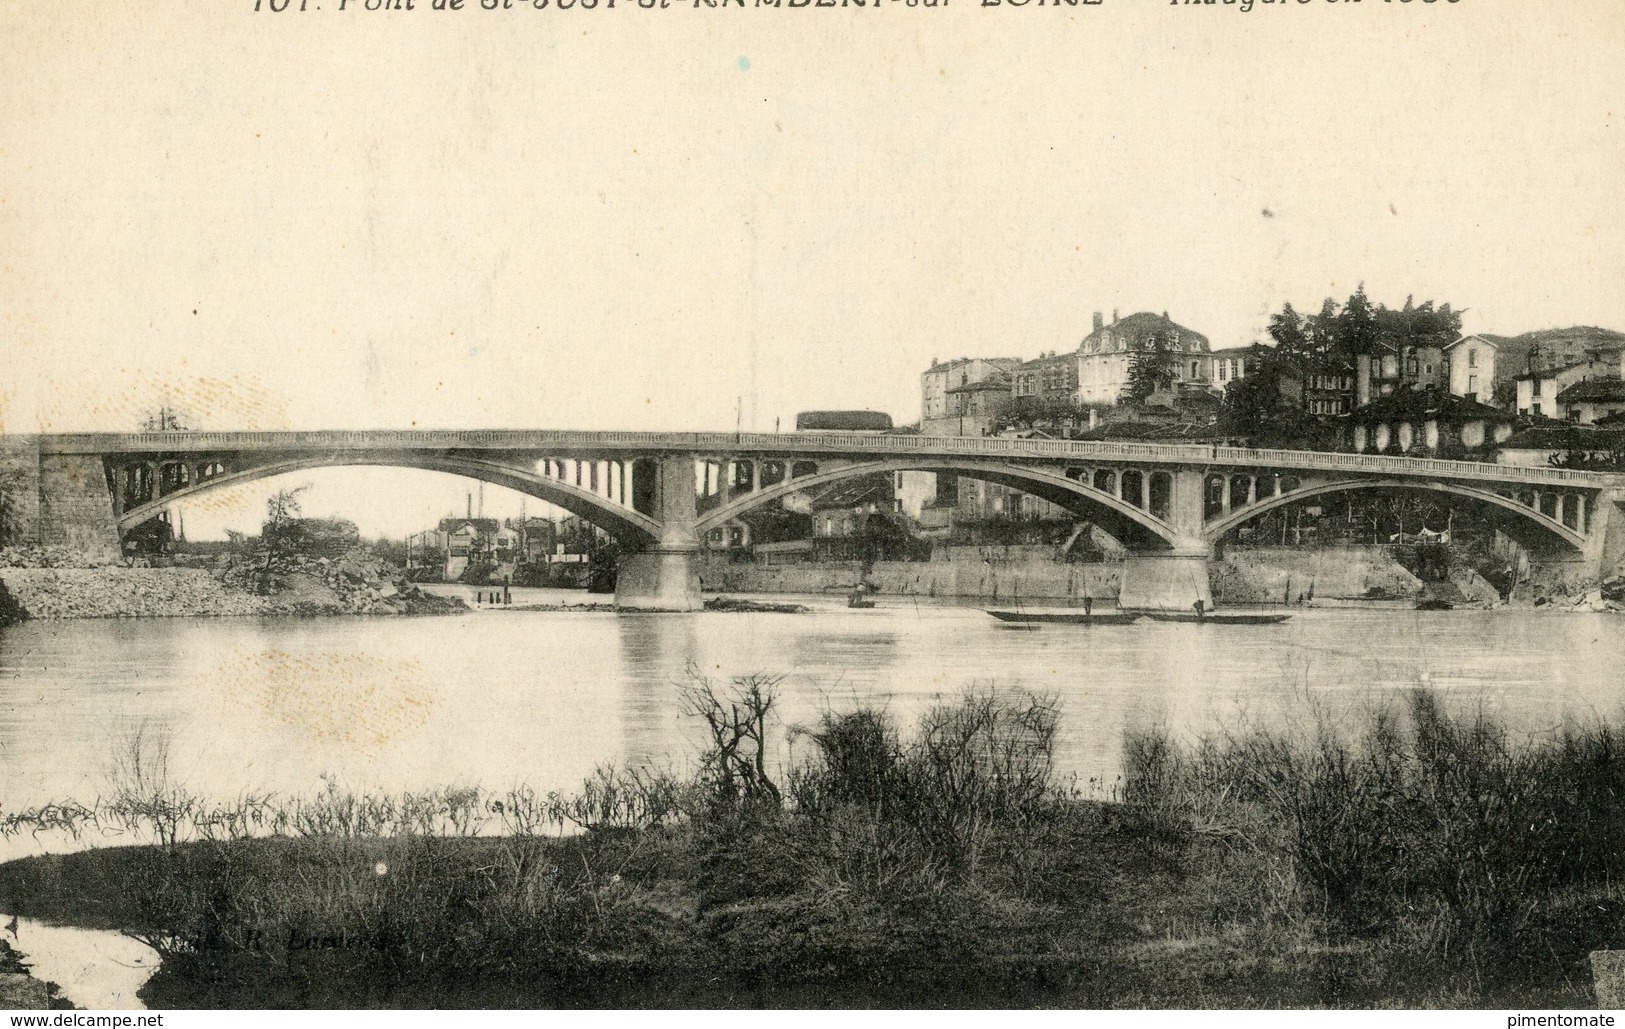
[{"x": 920, "y": 505}]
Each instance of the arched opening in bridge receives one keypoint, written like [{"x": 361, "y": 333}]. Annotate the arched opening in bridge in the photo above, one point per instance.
[
  {"x": 433, "y": 525},
  {"x": 960, "y": 501},
  {"x": 1435, "y": 534}
]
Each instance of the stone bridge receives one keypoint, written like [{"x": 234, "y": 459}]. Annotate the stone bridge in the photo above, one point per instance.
[{"x": 659, "y": 493}]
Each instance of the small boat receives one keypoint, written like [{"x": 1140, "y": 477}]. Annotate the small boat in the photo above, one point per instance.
[
  {"x": 858, "y": 600},
  {"x": 1065, "y": 617},
  {"x": 1216, "y": 617},
  {"x": 1434, "y": 604}
]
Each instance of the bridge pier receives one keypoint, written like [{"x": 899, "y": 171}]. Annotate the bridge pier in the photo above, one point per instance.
[
  {"x": 666, "y": 576},
  {"x": 76, "y": 506},
  {"x": 658, "y": 580},
  {"x": 1165, "y": 582}
]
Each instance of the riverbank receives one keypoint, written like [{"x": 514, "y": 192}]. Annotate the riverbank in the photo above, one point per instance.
[
  {"x": 48, "y": 585},
  {"x": 943, "y": 866},
  {"x": 1111, "y": 915}
]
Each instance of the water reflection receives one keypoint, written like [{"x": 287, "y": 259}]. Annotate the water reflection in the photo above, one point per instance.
[{"x": 651, "y": 647}]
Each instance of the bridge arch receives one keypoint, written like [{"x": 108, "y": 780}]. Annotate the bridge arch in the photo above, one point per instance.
[
  {"x": 1126, "y": 522},
  {"x": 631, "y": 528},
  {"x": 1549, "y": 529}
]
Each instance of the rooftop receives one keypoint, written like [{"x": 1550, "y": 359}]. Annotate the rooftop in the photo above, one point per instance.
[
  {"x": 1000, "y": 362},
  {"x": 1566, "y": 437},
  {"x": 1593, "y": 390},
  {"x": 867, "y": 489},
  {"x": 1142, "y": 324},
  {"x": 1548, "y": 373},
  {"x": 481, "y": 525},
  {"x": 1406, "y": 404},
  {"x": 843, "y": 421}
]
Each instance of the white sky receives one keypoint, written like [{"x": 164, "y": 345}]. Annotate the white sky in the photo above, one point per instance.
[{"x": 631, "y": 218}]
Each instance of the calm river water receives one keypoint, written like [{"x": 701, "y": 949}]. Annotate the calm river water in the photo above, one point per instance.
[{"x": 499, "y": 697}]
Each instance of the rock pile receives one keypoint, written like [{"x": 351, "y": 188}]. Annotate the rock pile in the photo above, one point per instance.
[
  {"x": 356, "y": 583},
  {"x": 124, "y": 593},
  {"x": 1594, "y": 599},
  {"x": 52, "y": 556}
]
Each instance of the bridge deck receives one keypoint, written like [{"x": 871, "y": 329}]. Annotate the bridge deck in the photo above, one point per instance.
[{"x": 623, "y": 445}]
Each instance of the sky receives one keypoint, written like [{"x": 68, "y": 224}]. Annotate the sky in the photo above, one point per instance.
[{"x": 684, "y": 218}]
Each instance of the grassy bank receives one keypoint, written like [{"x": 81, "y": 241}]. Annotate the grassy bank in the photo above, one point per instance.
[{"x": 937, "y": 865}]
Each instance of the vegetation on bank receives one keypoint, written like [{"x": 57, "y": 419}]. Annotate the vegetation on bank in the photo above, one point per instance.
[{"x": 1430, "y": 860}]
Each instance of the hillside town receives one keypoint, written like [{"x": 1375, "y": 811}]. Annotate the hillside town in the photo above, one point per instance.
[{"x": 1355, "y": 377}]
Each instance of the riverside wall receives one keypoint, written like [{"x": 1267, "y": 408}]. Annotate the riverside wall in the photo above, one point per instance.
[
  {"x": 1002, "y": 580},
  {"x": 1254, "y": 576}
]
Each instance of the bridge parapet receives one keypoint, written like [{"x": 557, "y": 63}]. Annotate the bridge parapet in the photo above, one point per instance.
[{"x": 585, "y": 443}]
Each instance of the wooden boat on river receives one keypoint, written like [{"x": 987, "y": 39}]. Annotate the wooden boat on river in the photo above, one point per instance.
[
  {"x": 1217, "y": 617},
  {"x": 1065, "y": 617}
]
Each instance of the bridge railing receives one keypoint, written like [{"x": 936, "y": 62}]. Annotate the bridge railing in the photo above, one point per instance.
[{"x": 790, "y": 445}]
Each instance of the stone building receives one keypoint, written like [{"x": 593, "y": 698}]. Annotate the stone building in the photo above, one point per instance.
[
  {"x": 1106, "y": 356},
  {"x": 978, "y": 406},
  {"x": 1486, "y": 367},
  {"x": 1228, "y": 365},
  {"x": 936, "y": 381},
  {"x": 1050, "y": 376},
  {"x": 1539, "y": 388}
]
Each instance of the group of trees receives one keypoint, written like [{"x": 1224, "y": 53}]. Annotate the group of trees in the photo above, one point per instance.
[
  {"x": 1044, "y": 410},
  {"x": 1342, "y": 333},
  {"x": 1268, "y": 406},
  {"x": 166, "y": 420}
]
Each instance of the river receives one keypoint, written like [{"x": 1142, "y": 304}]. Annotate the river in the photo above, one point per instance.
[
  {"x": 497, "y": 697},
  {"x": 500, "y": 696}
]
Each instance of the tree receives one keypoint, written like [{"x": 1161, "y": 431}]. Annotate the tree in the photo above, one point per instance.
[
  {"x": 166, "y": 420},
  {"x": 1262, "y": 406},
  {"x": 279, "y": 533},
  {"x": 1151, "y": 368},
  {"x": 283, "y": 506},
  {"x": 1338, "y": 335},
  {"x": 1323, "y": 332},
  {"x": 1355, "y": 327},
  {"x": 1253, "y": 401},
  {"x": 1290, "y": 334}
]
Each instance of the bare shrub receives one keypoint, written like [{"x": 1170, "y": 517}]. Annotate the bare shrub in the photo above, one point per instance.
[
  {"x": 1438, "y": 830},
  {"x": 976, "y": 764},
  {"x": 857, "y": 759},
  {"x": 522, "y": 812},
  {"x": 734, "y": 766},
  {"x": 143, "y": 793},
  {"x": 615, "y": 798}
]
